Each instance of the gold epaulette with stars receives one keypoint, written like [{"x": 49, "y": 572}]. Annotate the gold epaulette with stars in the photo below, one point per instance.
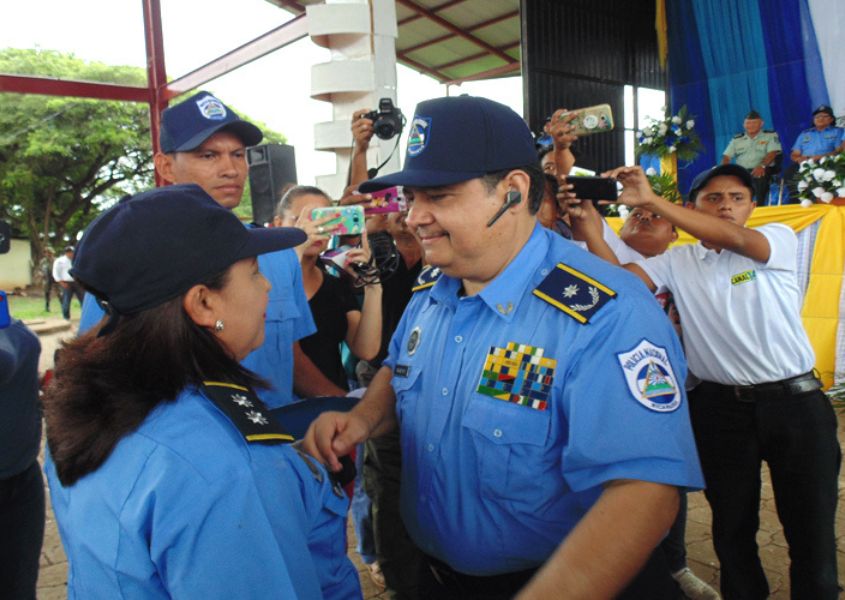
[
  {"x": 427, "y": 278},
  {"x": 247, "y": 412},
  {"x": 575, "y": 293}
]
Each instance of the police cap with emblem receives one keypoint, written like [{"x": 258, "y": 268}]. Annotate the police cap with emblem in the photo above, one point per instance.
[
  {"x": 753, "y": 114},
  {"x": 702, "y": 178},
  {"x": 156, "y": 245},
  {"x": 188, "y": 124},
  {"x": 455, "y": 139}
]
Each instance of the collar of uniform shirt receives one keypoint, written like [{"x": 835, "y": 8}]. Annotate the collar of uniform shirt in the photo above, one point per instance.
[{"x": 505, "y": 292}]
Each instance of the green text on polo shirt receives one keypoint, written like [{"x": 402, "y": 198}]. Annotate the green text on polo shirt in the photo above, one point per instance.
[{"x": 743, "y": 277}]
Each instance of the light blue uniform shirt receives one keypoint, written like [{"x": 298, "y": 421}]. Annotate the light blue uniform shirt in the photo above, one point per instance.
[
  {"x": 288, "y": 320},
  {"x": 491, "y": 486},
  {"x": 184, "y": 507},
  {"x": 812, "y": 142}
]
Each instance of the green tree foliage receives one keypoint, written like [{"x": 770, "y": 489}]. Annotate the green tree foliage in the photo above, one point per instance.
[{"x": 63, "y": 159}]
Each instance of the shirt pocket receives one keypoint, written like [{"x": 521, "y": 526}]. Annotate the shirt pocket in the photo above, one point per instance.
[
  {"x": 282, "y": 309},
  {"x": 406, "y": 387},
  {"x": 510, "y": 443}
]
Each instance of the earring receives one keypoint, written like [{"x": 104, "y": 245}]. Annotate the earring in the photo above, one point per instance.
[{"x": 218, "y": 325}]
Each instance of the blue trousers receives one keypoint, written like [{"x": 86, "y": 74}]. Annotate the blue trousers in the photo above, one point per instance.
[{"x": 796, "y": 435}]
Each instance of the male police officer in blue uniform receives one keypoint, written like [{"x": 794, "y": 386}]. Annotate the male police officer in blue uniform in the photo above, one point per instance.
[
  {"x": 538, "y": 391},
  {"x": 822, "y": 139}
]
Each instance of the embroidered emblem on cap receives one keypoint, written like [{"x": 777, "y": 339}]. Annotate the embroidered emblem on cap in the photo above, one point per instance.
[
  {"x": 211, "y": 108},
  {"x": 414, "y": 341},
  {"x": 578, "y": 295},
  {"x": 254, "y": 424},
  {"x": 519, "y": 374},
  {"x": 650, "y": 378},
  {"x": 418, "y": 135}
]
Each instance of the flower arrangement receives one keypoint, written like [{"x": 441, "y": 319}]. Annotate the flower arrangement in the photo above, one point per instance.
[
  {"x": 821, "y": 180},
  {"x": 675, "y": 134}
]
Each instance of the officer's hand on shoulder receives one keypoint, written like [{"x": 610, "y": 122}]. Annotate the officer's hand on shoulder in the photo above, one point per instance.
[{"x": 333, "y": 435}]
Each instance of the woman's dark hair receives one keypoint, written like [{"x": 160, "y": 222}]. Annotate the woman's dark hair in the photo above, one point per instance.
[
  {"x": 104, "y": 387},
  {"x": 295, "y": 192},
  {"x": 536, "y": 189}
]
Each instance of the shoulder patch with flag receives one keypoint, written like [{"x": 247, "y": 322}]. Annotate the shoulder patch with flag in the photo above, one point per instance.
[
  {"x": 575, "y": 293},
  {"x": 427, "y": 278},
  {"x": 247, "y": 412}
]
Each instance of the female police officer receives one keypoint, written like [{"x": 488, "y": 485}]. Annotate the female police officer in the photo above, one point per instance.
[{"x": 168, "y": 477}]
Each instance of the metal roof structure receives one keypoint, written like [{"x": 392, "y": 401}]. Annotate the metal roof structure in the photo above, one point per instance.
[{"x": 452, "y": 40}]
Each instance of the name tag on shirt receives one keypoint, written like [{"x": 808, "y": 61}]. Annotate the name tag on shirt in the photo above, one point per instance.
[
  {"x": 744, "y": 277},
  {"x": 519, "y": 374}
]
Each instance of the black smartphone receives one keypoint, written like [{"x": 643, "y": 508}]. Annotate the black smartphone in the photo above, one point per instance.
[{"x": 593, "y": 188}]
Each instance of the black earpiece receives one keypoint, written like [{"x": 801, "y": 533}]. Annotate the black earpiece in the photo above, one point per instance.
[{"x": 512, "y": 198}]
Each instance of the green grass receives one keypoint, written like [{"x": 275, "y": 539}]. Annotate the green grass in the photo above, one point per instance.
[{"x": 31, "y": 306}]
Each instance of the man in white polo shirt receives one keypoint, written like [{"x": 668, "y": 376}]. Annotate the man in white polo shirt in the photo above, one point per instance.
[{"x": 739, "y": 304}]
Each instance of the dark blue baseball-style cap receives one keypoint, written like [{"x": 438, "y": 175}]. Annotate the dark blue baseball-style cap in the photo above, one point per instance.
[
  {"x": 455, "y": 139},
  {"x": 188, "y": 124},
  {"x": 730, "y": 169},
  {"x": 156, "y": 245}
]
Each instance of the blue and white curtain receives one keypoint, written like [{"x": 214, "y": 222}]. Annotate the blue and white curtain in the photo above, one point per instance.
[{"x": 780, "y": 57}]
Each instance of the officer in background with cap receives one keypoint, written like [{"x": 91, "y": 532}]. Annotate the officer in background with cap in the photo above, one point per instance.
[
  {"x": 822, "y": 139},
  {"x": 203, "y": 141},
  {"x": 757, "y": 150},
  {"x": 538, "y": 391}
]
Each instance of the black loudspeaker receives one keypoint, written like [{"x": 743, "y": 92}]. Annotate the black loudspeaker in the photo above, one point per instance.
[{"x": 271, "y": 167}]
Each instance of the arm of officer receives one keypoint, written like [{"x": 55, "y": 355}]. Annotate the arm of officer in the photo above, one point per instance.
[
  {"x": 308, "y": 380},
  {"x": 609, "y": 545},
  {"x": 334, "y": 434},
  {"x": 636, "y": 191}
]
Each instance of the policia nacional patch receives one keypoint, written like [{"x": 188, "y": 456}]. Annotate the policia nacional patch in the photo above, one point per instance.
[
  {"x": 578, "y": 295},
  {"x": 247, "y": 412}
]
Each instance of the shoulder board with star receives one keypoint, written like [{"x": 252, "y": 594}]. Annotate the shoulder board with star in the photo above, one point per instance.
[
  {"x": 739, "y": 135},
  {"x": 769, "y": 131},
  {"x": 575, "y": 293},
  {"x": 247, "y": 412},
  {"x": 427, "y": 278}
]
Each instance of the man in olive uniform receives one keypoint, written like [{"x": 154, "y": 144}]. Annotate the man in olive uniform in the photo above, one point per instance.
[{"x": 756, "y": 150}]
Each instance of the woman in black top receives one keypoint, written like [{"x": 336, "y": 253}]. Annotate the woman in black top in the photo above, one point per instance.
[{"x": 333, "y": 306}]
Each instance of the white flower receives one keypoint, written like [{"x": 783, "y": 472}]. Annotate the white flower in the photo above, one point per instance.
[
  {"x": 690, "y": 124},
  {"x": 651, "y": 172},
  {"x": 840, "y": 192},
  {"x": 837, "y": 183},
  {"x": 802, "y": 185},
  {"x": 624, "y": 211},
  {"x": 676, "y": 120},
  {"x": 662, "y": 129},
  {"x": 817, "y": 192},
  {"x": 806, "y": 203},
  {"x": 672, "y": 149},
  {"x": 640, "y": 134},
  {"x": 647, "y": 140},
  {"x": 826, "y": 197},
  {"x": 818, "y": 174},
  {"x": 822, "y": 160},
  {"x": 828, "y": 175}
]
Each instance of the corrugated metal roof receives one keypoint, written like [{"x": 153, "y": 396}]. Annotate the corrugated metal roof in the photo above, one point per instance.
[{"x": 452, "y": 40}]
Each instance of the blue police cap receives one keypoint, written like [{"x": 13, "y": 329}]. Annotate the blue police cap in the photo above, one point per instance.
[
  {"x": 730, "y": 169},
  {"x": 152, "y": 247},
  {"x": 823, "y": 108},
  {"x": 188, "y": 124},
  {"x": 451, "y": 140}
]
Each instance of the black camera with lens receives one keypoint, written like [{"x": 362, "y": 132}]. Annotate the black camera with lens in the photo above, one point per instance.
[{"x": 388, "y": 120}]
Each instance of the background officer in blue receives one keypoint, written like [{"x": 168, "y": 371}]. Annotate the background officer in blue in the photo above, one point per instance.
[
  {"x": 538, "y": 391},
  {"x": 822, "y": 139},
  {"x": 204, "y": 142}
]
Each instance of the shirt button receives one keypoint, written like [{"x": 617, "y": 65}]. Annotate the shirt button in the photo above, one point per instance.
[
  {"x": 459, "y": 338},
  {"x": 430, "y": 447},
  {"x": 544, "y": 272},
  {"x": 444, "y": 392},
  {"x": 497, "y": 433}
]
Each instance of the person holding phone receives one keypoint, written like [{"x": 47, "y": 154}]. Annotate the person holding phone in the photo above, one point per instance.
[
  {"x": 528, "y": 380},
  {"x": 169, "y": 476},
  {"x": 335, "y": 310}
]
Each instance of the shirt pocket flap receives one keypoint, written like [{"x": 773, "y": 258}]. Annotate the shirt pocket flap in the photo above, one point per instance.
[
  {"x": 282, "y": 309},
  {"x": 404, "y": 377},
  {"x": 503, "y": 422}
]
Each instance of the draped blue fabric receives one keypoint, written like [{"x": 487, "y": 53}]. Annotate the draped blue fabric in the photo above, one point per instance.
[
  {"x": 688, "y": 84},
  {"x": 729, "y": 56}
]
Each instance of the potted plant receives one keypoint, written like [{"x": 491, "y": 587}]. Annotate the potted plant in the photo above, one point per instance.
[{"x": 822, "y": 180}]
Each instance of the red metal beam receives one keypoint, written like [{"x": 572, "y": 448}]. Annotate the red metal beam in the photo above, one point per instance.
[
  {"x": 466, "y": 59},
  {"x": 503, "y": 70},
  {"x": 293, "y": 30},
  {"x": 69, "y": 87},
  {"x": 475, "y": 27},
  {"x": 156, "y": 72},
  {"x": 437, "y": 8},
  {"x": 421, "y": 67},
  {"x": 449, "y": 26}
]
